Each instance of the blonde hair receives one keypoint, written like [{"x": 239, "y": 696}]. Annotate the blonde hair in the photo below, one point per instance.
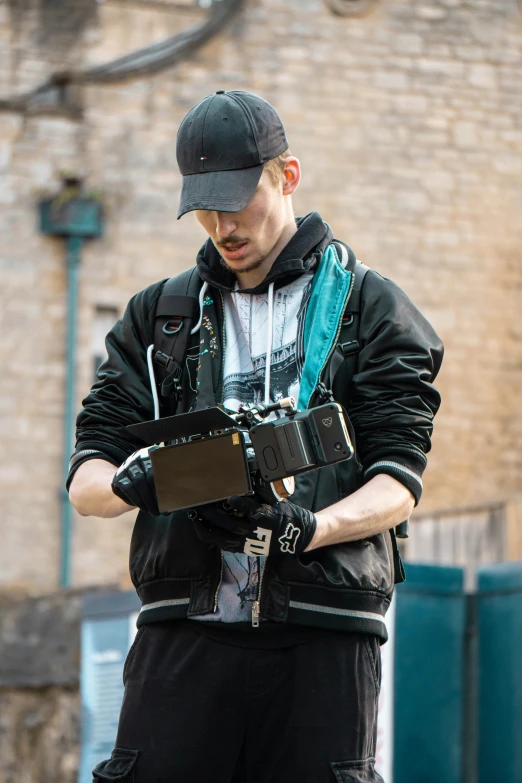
[{"x": 276, "y": 166}]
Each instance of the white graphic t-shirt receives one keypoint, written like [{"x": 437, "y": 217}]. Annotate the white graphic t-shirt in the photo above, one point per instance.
[{"x": 246, "y": 322}]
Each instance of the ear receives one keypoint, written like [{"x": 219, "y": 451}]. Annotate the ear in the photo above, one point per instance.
[{"x": 292, "y": 175}]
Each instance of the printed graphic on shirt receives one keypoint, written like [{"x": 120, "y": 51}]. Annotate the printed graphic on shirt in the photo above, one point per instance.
[
  {"x": 242, "y": 574},
  {"x": 246, "y": 318},
  {"x": 246, "y": 324}
]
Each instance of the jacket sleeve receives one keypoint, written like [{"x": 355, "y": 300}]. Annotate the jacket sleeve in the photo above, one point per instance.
[
  {"x": 121, "y": 394},
  {"x": 393, "y": 399}
]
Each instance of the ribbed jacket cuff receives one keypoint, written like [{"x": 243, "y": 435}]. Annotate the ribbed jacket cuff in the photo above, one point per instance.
[
  {"x": 408, "y": 472},
  {"x": 84, "y": 454}
]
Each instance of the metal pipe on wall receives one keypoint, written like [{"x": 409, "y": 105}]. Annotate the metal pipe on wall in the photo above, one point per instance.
[
  {"x": 74, "y": 246},
  {"x": 75, "y": 216}
]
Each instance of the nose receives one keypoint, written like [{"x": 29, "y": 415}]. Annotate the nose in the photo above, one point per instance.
[{"x": 226, "y": 224}]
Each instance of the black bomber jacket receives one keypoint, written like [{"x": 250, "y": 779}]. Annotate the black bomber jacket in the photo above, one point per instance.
[{"x": 391, "y": 405}]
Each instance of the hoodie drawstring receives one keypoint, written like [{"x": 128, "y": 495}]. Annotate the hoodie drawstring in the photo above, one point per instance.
[
  {"x": 152, "y": 380},
  {"x": 201, "y": 297}
]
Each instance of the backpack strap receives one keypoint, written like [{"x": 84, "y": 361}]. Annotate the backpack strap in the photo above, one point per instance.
[
  {"x": 346, "y": 356},
  {"x": 176, "y": 313},
  {"x": 347, "y": 349}
]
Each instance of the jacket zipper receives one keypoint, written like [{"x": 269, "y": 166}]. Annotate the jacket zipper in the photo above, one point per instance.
[
  {"x": 256, "y": 606},
  {"x": 223, "y": 342}
]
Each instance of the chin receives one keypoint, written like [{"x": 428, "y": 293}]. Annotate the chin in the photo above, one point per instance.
[{"x": 242, "y": 265}]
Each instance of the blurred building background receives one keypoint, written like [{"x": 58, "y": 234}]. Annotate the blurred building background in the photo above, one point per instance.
[{"x": 407, "y": 118}]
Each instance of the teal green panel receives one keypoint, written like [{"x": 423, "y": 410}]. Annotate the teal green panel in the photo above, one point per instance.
[
  {"x": 332, "y": 284},
  {"x": 500, "y": 672},
  {"x": 79, "y": 217},
  {"x": 429, "y": 686}
]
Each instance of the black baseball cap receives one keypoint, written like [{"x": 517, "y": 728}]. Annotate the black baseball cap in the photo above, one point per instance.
[{"x": 222, "y": 146}]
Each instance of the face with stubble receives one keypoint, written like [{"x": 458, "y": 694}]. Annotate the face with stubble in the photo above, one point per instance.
[{"x": 247, "y": 239}]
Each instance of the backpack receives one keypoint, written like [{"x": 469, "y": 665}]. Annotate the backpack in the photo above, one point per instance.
[{"x": 177, "y": 311}]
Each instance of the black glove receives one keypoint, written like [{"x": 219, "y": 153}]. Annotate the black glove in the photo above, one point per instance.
[
  {"x": 133, "y": 482},
  {"x": 245, "y": 525}
]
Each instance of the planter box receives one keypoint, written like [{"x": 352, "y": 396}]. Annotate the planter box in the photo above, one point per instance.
[{"x": 81, "y": 217}]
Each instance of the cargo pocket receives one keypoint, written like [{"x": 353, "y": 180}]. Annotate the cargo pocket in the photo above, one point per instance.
[
  {"x": 373, "y": 652},
  {"x": 355, "y": 771},
  {"x": 120, "y": 766}
]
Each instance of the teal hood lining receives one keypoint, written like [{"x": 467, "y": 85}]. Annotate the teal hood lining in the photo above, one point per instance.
[{"x": 331, "y": 289}]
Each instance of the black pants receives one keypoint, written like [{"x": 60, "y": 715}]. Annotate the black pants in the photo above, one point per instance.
[{"x": 198, "y": 711}]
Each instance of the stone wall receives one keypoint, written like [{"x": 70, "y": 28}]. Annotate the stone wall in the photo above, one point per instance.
[
  {"x": 39, "y": 735},
  {"x": 408, "y": 124},
  {"x": 39, "y": 687}
]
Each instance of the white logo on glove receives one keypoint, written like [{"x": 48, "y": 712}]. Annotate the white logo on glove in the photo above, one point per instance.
[
  {"x": 288, "y": 540},
  {"x": 258, "y": 547}
]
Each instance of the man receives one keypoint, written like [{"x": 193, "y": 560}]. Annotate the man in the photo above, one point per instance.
[{"x": 261, "y": 669}]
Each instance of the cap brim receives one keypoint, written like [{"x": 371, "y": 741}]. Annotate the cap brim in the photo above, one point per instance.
[{"x": 223, "y": 191}]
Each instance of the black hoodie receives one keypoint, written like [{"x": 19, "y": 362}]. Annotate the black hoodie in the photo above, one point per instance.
[{"x": 300, "y": 255}]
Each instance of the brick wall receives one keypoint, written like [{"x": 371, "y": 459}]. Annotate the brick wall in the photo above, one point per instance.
[{"x": 408, "y": 124}]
